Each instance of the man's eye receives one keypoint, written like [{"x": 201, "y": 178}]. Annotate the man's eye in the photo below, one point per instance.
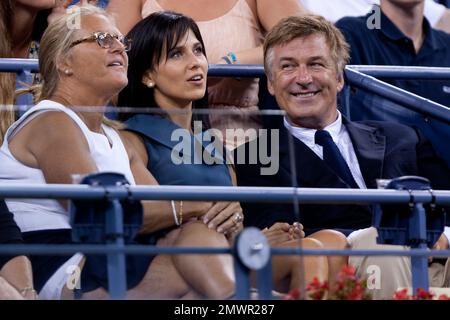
[
  {"x": 287, "y": 66},
  {"x": 316, "y": 64}
]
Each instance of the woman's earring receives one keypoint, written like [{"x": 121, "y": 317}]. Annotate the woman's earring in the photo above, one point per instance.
[
  {"x": 150, "y": 84},
  {"x": 67, "y": 72}
]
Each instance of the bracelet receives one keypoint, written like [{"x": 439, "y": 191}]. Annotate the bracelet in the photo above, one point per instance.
[
  {"x": 230, "y": 58},
  {"x": 227, "y": 60},
  {"x": 174, "y": 212},
  {"x": 181, "y": 211}
]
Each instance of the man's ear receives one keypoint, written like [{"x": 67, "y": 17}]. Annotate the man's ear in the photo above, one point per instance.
[
  {"x": 340, "y": 82},
  {"x": 270, "y": 86},
  {"x": 147, "y": 79}
]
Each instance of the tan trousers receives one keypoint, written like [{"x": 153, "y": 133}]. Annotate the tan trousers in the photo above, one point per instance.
[{"x": 386, "y": 274}]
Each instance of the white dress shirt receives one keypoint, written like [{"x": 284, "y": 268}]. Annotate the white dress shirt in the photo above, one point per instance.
[{"x": 341, "y": 139}]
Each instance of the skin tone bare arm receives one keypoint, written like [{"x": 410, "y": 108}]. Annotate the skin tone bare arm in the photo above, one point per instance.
[
  {"x": 269, "y": 13},
  {"x": 157, "y": 214},
  {"x": 132, "y": 8},
  {"x": 17, "y": 272}
]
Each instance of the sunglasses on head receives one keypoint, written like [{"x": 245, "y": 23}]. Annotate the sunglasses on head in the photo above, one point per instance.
[{"x": 105, "y": 40}]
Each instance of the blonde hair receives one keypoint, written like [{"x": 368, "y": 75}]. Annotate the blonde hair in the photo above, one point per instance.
[
  {"x": 54, "y": 45},
  {"x": 294, "y": 27},
  {"x": 7, "y": 80}
]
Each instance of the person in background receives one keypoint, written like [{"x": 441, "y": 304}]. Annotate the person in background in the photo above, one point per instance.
[
  {"x": 405, "y": 38},
  {"x": 437, "y": 14},
  {"x": 22, "y": 23}
]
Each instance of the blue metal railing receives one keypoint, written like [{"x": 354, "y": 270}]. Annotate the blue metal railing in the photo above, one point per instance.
[
  {"x": 303, "y": 195},
  {"x": 402, "y": 72},
  {"x": 212, "y": 193},
  {"x": 403, "y": 97}
]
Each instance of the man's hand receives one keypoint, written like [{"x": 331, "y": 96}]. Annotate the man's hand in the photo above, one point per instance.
[
  {"x": 281, "y": 232},
  {"x": 442, "y": 243}
]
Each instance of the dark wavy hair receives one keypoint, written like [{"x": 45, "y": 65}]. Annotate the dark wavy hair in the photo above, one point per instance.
[{"x": 153, "y": 38}]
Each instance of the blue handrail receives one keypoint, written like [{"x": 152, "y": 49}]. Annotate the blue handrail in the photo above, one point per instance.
[
  {"x": 212, "y": 193},
  {"x": 255, "y": 70},
  {"x": 18, "y": 65},
  {"x": 402, "y": 72},
  {"x": 403, "y": 97}
]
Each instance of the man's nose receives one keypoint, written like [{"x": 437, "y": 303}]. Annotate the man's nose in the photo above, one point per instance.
[{"x": 303, "y": 75}]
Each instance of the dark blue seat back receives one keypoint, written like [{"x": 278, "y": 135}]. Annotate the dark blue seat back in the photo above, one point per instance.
[
  {"x": 394, "y": 222},
  {"x": 88, "y": 217}
]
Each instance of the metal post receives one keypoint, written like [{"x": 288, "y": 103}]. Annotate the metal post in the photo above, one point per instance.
[
  {"x": 242, "y": 279},
  {"x": 418, "y": 232},
  {"x": 117, "y": 277},
  {"x": 264, "y": 279}
]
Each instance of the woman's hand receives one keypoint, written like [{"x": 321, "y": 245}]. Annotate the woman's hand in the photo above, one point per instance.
[
  {"x": 61, "y": 6},
  {"x": 224, "y": 217},
  {"x": 281, "y": 232}
]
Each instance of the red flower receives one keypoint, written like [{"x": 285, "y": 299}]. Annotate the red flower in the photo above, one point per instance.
[
  {"x": 424, "y": 295},
  {"x": 402, "y": 295},
  {"x": 348, "y": 287}
]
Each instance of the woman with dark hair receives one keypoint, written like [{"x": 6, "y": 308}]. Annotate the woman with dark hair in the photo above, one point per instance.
[{"x": 168, "y": 69}]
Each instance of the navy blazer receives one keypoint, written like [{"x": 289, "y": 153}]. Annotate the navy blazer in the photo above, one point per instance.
[{"x": 384, "y": 150}]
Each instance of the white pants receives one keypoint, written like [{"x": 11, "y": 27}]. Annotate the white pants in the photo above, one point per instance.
[{"x": 386, "y": 274}]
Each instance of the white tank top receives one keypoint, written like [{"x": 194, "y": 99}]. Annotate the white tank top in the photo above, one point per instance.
[{"x": 108, "y": 153}]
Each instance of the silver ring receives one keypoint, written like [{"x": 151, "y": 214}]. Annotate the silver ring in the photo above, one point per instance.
[{"x": 237, "y": 217}]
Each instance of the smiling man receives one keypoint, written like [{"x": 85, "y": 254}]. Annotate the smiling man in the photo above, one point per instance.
[
  {"x": 304, "y": 59},
  {"x": 304, "y": 62}
]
